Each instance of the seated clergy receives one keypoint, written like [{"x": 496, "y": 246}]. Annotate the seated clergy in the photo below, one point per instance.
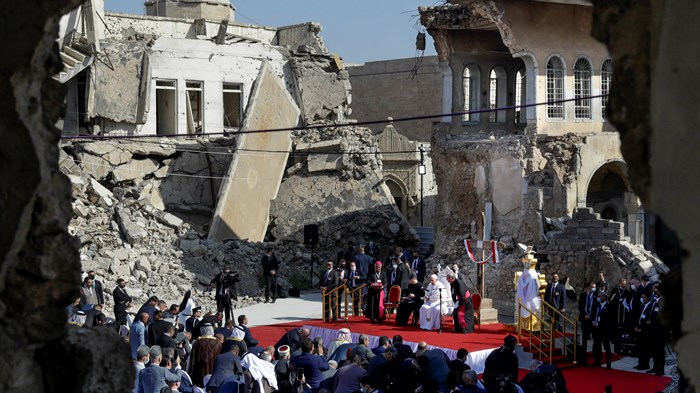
[{"x": 435, "y": 303}]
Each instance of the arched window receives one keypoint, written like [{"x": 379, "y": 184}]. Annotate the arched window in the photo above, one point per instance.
[
  {"x": 582, "y": 89},
  {"x": 467, "y": 89},
  {"x": 470, "y": 92},
  {"x": 497, "y": 94},
  {"x": 605, "y": 79},
  {"x": 555, "y": 88},
  {"x": 520, "y": 96}
]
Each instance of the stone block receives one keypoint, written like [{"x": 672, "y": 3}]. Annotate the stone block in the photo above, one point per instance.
[
  {"x": 608, "y": 230},
  {"x": 573, "y": 224},
  {"x": 99, "y": 193},
  {"x": 614, "y": 236},
  {"x": 597, "y": 223},
  {"x": 583, "y": 231},
  {"x": 134, "y": 169},
  {"x": 143, "y": 265},
  {"x": 597, "y": 235},
  {"x": 324, "y": 162},
  {"x": 133, "y": 233},
  {"x": 645, "y": 265}
]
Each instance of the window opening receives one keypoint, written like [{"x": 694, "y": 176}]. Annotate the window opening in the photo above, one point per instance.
[
  {"x": 605, "y": 79},
  {"x": 582, "y": 89},
  {"x": 520, "y": 96},
  {"x": 195, "y": 107},
  {"x": 555, "y": 88},
  {"x": 466, "y": 88},
  {"x": 493, "y": 95},
  {"x": 166, "y": 107},
  {"x": 232, "y": 105}
]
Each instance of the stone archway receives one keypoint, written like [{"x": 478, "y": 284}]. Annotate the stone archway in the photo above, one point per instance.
[
  {"x": 610, "y": 195},
  {"x": 398, "y": 191}
]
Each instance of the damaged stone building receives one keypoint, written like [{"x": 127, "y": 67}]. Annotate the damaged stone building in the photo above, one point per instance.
[
  {"x": 548, "y": 155},
  {"x": 192, "y": 142},
  {"x": 655, "y": 110}
]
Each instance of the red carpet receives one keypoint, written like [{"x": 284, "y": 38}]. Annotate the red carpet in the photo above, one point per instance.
[
  {"x": 490, "y": 336},
  {"x": 578, "y": 379}
]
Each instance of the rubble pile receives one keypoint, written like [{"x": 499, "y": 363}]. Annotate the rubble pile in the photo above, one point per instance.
[{"x": 124, "y": 231}]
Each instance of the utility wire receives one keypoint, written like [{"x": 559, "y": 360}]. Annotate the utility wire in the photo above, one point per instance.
[{"x": 322, "y": 126}]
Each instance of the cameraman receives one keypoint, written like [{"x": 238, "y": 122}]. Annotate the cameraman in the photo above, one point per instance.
[
  {"x": 225, "y": 284},
  {"x": 270, "y": 265}
]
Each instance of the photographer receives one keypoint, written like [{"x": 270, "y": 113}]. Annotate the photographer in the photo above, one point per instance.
[{"x": 225, "y": 284}]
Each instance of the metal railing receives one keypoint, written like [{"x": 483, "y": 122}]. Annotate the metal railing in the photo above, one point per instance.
[
  {"x": 352, "y": 302},
  {"x": 331, "y": 302},
  {"x": 543, "y": 340}
]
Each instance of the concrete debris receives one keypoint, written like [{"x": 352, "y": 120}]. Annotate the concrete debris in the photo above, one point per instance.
[{"x": 152, "y": 230}]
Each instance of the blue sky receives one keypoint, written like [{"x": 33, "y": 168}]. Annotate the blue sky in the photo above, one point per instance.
[{"x": 358, "y": 30}]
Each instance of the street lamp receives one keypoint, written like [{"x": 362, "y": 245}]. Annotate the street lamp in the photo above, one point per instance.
[{"x": 421, "y": 172}]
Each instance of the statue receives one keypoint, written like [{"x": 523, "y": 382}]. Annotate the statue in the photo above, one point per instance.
[{"x": 529, "y": 287}]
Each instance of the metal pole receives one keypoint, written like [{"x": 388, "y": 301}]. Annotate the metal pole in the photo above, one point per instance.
[{"x": 421, "y": 200}]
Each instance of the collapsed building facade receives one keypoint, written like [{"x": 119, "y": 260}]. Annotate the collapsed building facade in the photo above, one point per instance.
[
  {"x": 548, "y": 155},
  {"x": 192, "y": 179}
]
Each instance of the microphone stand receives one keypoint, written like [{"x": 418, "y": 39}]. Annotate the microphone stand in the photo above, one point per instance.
[{"x": 440, "y": 308}]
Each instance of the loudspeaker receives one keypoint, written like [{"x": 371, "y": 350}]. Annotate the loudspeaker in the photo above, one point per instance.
[{"x": 311, "y": 234}]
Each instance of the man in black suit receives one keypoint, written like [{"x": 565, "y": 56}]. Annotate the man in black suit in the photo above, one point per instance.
[
  {"x": 122, "y": 301},
  {"x": 501, "y": 366},
  {"x": 166, "y": 339},
  {"x": 644, "y": 331},
  {"x": 243, "y": 326},
  {"x": 270, "y": 266},
  {"x": 293, "y": 340},
  {"x": 225, "y": 365},
  {"x": 555, "y": 295},
  {"x": 157, "y": 328},
  {"x": 355, "y": 279},
  {"x": 603, "y": 325},
  {"x": 587, "y": 304},
  {"x": 97, "y": 286},
  {"x": 330, "y": 281},
  {"x": 403, "y": 271},
  {"x": 418, "y": 267}
]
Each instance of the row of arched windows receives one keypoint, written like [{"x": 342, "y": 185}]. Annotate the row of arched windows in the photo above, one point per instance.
[
  {"x": 582, "y": 87},
  {"x": 555, "y": 75}
]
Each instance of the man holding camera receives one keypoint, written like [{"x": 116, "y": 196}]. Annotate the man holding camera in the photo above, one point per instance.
[
  {"x": 270, "y": 266},
  {"x": 225, "y": 284}
]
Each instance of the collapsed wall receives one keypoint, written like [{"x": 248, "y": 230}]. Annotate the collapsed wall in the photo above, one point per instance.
[
  {"x": 530, "y": 181},
  {"x": 335, "y": 182}
]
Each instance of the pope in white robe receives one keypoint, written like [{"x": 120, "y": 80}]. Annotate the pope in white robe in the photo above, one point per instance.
[
  {"x": 435, "y": 304},
  {"x": 529, "y": 295}
]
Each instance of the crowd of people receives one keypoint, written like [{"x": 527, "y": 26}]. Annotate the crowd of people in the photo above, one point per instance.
[
  {"x": 406, "y": 270},
  {"x": 626, "y": 317},
  {"x": 178, "y": 347}
]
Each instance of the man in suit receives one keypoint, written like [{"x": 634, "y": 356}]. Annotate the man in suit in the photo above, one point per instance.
[
  {"x": 248, "y": 338},
  {"x": 418, "y": 267},
  {"x": 270, "y": 266},
  {"x": 501, "y": 365},
  {"x": 362, "y": 261},
  {"x": 355, "y": 279},
  {"x": 362, "y": 349},
  {"x": 587, "y": 304},
  {"x": 122, "y": 301},
  {"x": 403, "y": 272},
  {"x": 555, "y": 295},
  {"x": 644, "y": 331},
  {"x": 292, "y": 339},
  {"x": 154, "y": 377},
  {"x": 97, "y": 286},
  {"x": 330, "y": 281},
  {"x": 157, "y": 328},
  {"x": 137, "y": 335},
  {"x": 603, "y": 325},
  {"x": 166, "y": 339},
  {"x": 225, "y": 365}
]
